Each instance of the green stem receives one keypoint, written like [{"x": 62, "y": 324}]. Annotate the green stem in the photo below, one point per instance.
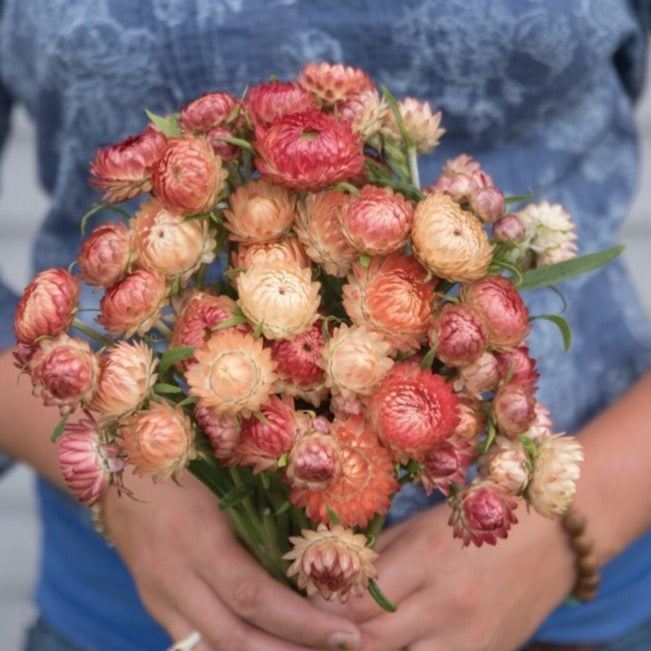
[
  {"x": 412, "y": 159},
  {"x": 163, "y": 329},
  {"x": 270, "y": 538},
  {"x": 375, "y": 527},
  {"x": 246, "y": 502},
  {"x": 89, "y": 332}
]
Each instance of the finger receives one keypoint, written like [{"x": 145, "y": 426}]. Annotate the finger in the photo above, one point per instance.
[
  {"x": 257, "y": 598},
  {"x": 220, "y": 629}
]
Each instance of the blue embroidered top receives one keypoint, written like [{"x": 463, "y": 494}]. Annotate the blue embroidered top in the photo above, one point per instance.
[{"x": 540, "y": 91}]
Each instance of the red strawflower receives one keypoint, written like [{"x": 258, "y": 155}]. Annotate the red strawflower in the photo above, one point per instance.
[
  {"x": 267, "y": 102},
  {"x": 297, "y": 360},
  {"x": 308, "y": 151},
  {"x": 412, "y": 410},
  {"x": 446, "y": 464}
]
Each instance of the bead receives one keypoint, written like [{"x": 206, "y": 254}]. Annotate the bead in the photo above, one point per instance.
[
  {"x": 593, "y": 581},
  {"x": 582, "y": 544},
  {"x": 585, "y": 594},
  {"x": 574, "y": 523},
  {"x": 587, "y": 565}
]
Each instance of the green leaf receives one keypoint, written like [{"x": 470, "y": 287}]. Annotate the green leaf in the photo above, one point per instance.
[
  {"x": 334, "y": 518},
  {"x": 235, "y": 496},
  {"x": 238, "y": 142},
  {"x": 393, "y": 105},
  {"x": 260, "y": 417},
  {"x": 428, "y": 360},
  {"x": 529, "y": 445},
  {"x": 98, "y": 207},
  {"x": 168, "y": 125},
  {"x": 229, "y": 323},
  {"x": 164, "y": 387},
  {"x": 516, "y": 277},
  {"x": 508, "y": 201},
  {"x": 282, "y": 508},
  {"x": 364, "y": 260},
  {"x": 563, "y": 326},
  {"x": 190, "y": 400},
  {"x": 264, "y": 478},
  {"x": 173, "y": 355},
  {"x": 347, "y": 187},
  {"x": 257, "y": 332},
  {"x": 556, "y": 273},
  {"x": 490, "y": 437},
  {"x": 58, "y": 430},
  {"x": 380, "y": 598}
]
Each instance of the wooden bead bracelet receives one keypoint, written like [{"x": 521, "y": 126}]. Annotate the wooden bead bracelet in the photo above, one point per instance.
[{"x": 586, "y": 564}]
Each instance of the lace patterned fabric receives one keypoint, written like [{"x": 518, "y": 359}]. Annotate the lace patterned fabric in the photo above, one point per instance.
[{"x": 540, "y": 91}]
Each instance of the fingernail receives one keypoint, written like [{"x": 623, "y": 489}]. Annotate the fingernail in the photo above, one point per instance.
[{"x": 343, "y": 641}]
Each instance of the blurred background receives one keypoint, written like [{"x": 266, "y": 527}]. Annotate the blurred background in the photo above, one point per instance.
[{"x": 22, "y": 204}]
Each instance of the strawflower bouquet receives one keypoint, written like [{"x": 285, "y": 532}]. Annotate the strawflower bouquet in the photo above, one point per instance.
[{"x": 367, "y": 333}]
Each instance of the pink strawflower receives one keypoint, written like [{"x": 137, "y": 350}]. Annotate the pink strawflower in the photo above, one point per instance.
[
  {"x": 514, "y": 408},
  {"x": 377, "y": 221},
  {"x": 332, "y": 562},
  {"x": 158, "y": 441},
  {"x": 221, "y": 430},
  {"x": 47, "y": 306},
  {"x": 124, "y": 170},
  {"x": 267, "y": 102},
  {"x": 314, "y": 462},
  {"x": 22, "y": 353},
  {"x": 482, "y": 513},
  {"x": 446, "y": 464},
  {"x": 458, "y": 334},
  {"x": 209, "y": 111},
  {"x": 319, "y": 229},
  {"x": 106, "y": 254},
  {"x": 308, "y": 151},
  {"x": 500, "y": 306},
  {"x": 516, "y": 365},
  {"x": 298, "y": 359},
  {"x": 343, "y": 408},
  {"x": 412, "y": 410},
  {"x": 89, "y": 464},
  {"x": 64, "y": 373},
  {"x": 541, "y": 425},
  {"x": 264, "y": 441},
  {"x": 133, "y": 305},
  {"x": 333, "y": 83},
  {"x": 365, "y": 111},
  {"x": 224, "y": 149},
  {"x": 188, "y": 178},
  {"x": 127, "y": 376},
  {"x": 509, "y": 229},
  {"x": 480, "y": 376}
]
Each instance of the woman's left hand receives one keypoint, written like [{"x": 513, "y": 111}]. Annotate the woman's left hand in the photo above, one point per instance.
[{"x": 455, "y": 599}]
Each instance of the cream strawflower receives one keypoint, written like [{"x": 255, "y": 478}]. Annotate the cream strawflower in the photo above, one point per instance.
[
  {"x": 279, "y": 298},
  {"x": 289, "y": 250},
  {"x": 507, "y": 464},
  {"x": 355, "y": 361},
  {"x": 450, "y": 241},
  {"x": 319, "y": 229},
  {"x": 158, "y": 441},
  {"x": 423, "y": 127},
  {"x": 549, "y": 232},
  {"x": 480, "y": 376},
  {"x": 260, "y": 212},
  {"x": 556, "y": 471},
  {"x": 332, "y": 561},
  {"x": 127, "y": 375},
  {"x": 234, "y": 373},
  {"x": 169, "y": 243},
  {"x": 365, "y": 111}
]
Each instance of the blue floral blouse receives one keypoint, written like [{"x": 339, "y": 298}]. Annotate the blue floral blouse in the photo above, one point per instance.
[{"x": 540, "y": 91}]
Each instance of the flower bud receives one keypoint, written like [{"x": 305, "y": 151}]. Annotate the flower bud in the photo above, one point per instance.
[
  {"x": 514, "y": 408},
  {"x": 106, "y": 254},
  {"x": 508, "y": 229},
  {"x": 446, "y": 464},
  {"x": 458, "y": 334},
  {"x": 314, "y": 461},
  {"x": 487, "y": 203},
  {"x": 207, "y": 112},
  {"x": 221, "y": 430},
  {"x": 480, "y": 376}
]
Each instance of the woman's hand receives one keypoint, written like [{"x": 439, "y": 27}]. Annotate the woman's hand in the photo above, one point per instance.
[
  {"x": 454, "y": 599},
  {"x": 192, "y": 574}
]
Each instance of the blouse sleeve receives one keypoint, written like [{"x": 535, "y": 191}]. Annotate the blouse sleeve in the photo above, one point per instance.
[{"x": 632, "y": 57}]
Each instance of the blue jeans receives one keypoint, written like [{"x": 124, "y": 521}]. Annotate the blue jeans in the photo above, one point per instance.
[{"x": 42, "y": 637}]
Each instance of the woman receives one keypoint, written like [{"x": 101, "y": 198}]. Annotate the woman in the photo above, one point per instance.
[{"x": 541, "y": 93}]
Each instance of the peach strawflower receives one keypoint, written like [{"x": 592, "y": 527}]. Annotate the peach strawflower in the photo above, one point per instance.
[
  {"x": 47, "y": 306},
  {"x": 501, "y": 308},
  {"x": 514, "y": 408},
  {"x": 169, "y": 243},
  {"x": 355, "y": 360},
  {"x": 446, "y": 465},
  {"x": 267, "y": 102},
  {"x": 482, "y": 513},
  {"x": 89, "y": 464},
  {"x": 458, "y": 334},
  {"x": 556, "y": 471},
  {"x": 319, "y": 229},
  {"x": 281, "y": 299},
  {"x": 209, "y": 111},
  {"x": 333, "y": 83},
  {"x": 308, "y": 151},
  {"x": 124, "y": 170},
  {"x": 134, "y": 304},
  {"x": 366, "y": 112},
  {"x": 314, "y": 462},
  {"x": 412, "y": 410},
  {"x": 289, "y": 250},
  {"x": 189, "y": 177},
  {"x": 298, "y": 360},
  {"x": 221, "y": 430},
  {"x": 234, "y": 374},
  {"x": 260, "y": 212},
  {"x": 64, "y": 372},
  {"x": 450, "y": 241},
  {"x": 331, "y": 561},
  {"x": 516, "y": 365},
  {"x": 423, "y": 127},
  {"x": 377, "y": 221},
  {"x": 158, "y": 441},
  {"x": 363, "y": 488},
  {"x": 263, "y": 442},
  {"x": 549, "y": 233},
  {"x": 472, "y": 421},
  {"x": 480, "y": 376},
  {"x": 393, "y": 296},
  {"x": 106, "y": 254},
  {"x": 507, "y": 464},
  {"x": 127, "y": 376}
]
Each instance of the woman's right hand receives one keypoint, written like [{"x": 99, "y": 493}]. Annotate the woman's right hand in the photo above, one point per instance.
[{"x": 192, "y": 574}]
